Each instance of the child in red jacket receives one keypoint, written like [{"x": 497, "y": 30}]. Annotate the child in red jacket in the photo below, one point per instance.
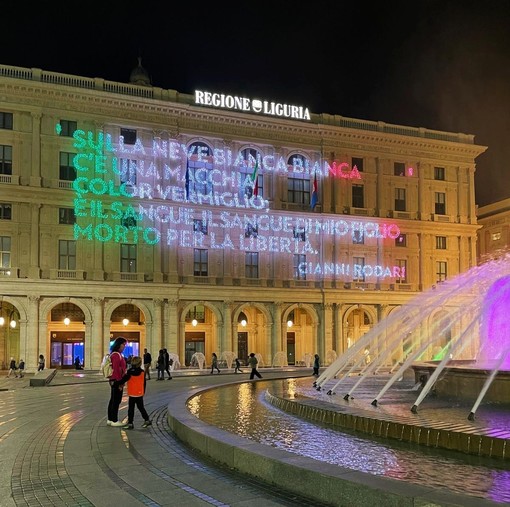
[{"x": 135, "y": 379}]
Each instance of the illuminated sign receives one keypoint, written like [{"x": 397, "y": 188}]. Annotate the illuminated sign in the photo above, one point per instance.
[
  {"x": 145, "y": 201},
  {"x": 247, "y": 105}
]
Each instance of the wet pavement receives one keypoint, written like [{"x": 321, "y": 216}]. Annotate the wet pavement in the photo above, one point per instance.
[{"x": 57, "y": 449}]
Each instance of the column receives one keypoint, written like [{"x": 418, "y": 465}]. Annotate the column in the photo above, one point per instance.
[
  {"x": 34, "y": 271},
  {"x": 38, "y": 340},
  {"x": 156, "y": 336},
  {"x": 279, "y": 345},
  {"x": 422, "y": 212},
  {"x": 35, "y": 171},
  {"x": 327, "y": 330},
  {"x": 380, "y": 205},
  {"x": 173, "y": 330},
  {"x": 98, "y": 346},
  {"x": 472, "y": 205},
  {"x": 98, "y": 246},
  {"x": 226, "y": 337}
]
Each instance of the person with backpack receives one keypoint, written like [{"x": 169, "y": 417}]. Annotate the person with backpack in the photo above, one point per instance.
[
  {"x": 136, "y": 385},
  {"x": 118, "y": 371}
]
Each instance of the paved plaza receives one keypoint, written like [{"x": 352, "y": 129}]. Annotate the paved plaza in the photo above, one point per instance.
[{"x": 57, "y": 449}]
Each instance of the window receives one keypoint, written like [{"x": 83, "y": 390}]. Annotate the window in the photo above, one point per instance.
[
  {"x": 200, "y": 225},
  {"x": 358, "y": 199},
  {"x": 441, "y": 242},
  {"x": 358, "y": 272},
  {"x": 357, "y": 163},
  {"x": 127, "y": 171},
  {"x": 357, "y": 237},
  {"x": 298, "y": 189},
  {"x": 199, "y": 164},
  {"x": 67, "y": 254},
  {"x": 251, "y": 265},
  {"x": 251, "y": 158},
  {"x": 197, "y": 313},
  {"x": 441, "y": 272},
  {"x": 299, "y": 261},
  {"x": 6, "y": 121},
  {"x": 66, "y": 216},
  {"x": 128, "y": 221},
  {"x": 5, "y": 159},
  {"x": 400, "y": 199},
  {"x": 440, "y": 203},
  {"x": 5, "y": 251},
  {"x": 439, "y": 173},
  {"x": 67, "y": 170},
  {"x": 401, "y": 240},
  {"x": 402, "y": 265},
  {"x": 127, "y": 258},
  {"x": 399, "y": 169},
  {"x": 496, "y": 236},
  {"x": 251, "y": 231},
  {"x": 5, "y": 211},
  {"x": 200, "y": 262},
  {"x": 299, "y": 233},
  {"x": 67, "y": 128},
  {"x": 129, "y": 136}
]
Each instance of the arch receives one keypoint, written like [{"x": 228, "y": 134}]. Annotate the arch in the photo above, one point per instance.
[
  {"x": 110, "y": 307},
  {"x": 214, "y": 309},
  {"x": 259, "y": 306},
  {"x": 47, "y": 305}
]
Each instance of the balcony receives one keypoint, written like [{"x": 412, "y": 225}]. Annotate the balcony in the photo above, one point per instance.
[
  {"x": 359, "y": 285},
  {"x": 362, "y": 212},
  {"x": 9, "y": 273},
  {"x": 406, "y": 287},
  {"x": 67, "y": 274},
  {"x": 440, "y": 218},
  {"x": 403, "y": 215}
]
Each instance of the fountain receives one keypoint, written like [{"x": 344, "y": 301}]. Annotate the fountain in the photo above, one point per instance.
[
  {"x": 473, "y": 317},
  {"x": 279, "y": 360},
  {"x": 176, "y": 365},
  {"x": 228, "y": 356},
  {"x": 197, "y": 360}
]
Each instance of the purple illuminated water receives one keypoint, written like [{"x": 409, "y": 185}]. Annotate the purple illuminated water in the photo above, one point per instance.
[{"x": 496, "y": 325}]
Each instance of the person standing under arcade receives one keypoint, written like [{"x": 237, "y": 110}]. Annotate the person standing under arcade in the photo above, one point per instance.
[{"x": 119, "y": 370}]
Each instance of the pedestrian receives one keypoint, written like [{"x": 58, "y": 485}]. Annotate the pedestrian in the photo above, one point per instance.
[
  {"x": 253, "y": 361},
  {"x": 161, "y": 365},
  {"x": 12, "y": 367},
  {"x": 167, "y": 364},
  {"x": 214, "y": 363},
  {"x": 147, "y": 361},
  {"x": 238, "y": 366},
  {"x": 119, "y": 370},
  {"x": 21, "y": 368},
  {"x": 77, "y": 363},
  {"x": 136, "y": 384},
  {"x": 40, "y": 364},
  {"x": 316, "y": 365}
]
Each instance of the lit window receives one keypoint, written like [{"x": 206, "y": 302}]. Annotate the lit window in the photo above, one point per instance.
[
  {"x": 441, "y": 271},
  {"x": 299, "y": 266},
  {"x": 358, "y": 269},
  {"x": 67, "y": 171},
  {"x": 441, "y": 242},
  {"x": 127, "y": 258},
  {"x": 496, "y": 236},
  {"x": 402, "y": 265},
  {"x": 5, "y": 251},
  {"x": 440, "y": 203},
  {"x": 200, "y": 262},
  {"x": 401, "y": 240}
]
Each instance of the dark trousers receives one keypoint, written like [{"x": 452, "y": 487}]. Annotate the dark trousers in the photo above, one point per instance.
[
  {"x": 167, "y": 369},
  {"x": 114, "y": 404},
  {"x": 255, "y": 373},
  {"x": 147, "y": 369},
  {"x": 138, "y": 401}
]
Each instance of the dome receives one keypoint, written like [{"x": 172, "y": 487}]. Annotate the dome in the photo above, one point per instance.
[{"x": 139, "y": 76}]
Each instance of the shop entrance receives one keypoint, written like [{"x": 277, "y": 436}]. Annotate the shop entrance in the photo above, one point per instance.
[
  {"x": 194, "y": 342},
  {"x": 65, "y": 348}
]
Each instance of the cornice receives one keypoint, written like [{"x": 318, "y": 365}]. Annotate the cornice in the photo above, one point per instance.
[{"x": 153, "y": 113}]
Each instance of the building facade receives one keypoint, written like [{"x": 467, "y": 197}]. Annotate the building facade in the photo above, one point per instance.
[
  {"x": 213, "y": 223},
  {"x": 494, "y": 232}
]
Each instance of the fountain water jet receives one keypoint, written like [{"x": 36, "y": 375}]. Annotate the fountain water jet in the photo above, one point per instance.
[{"x": 476, "y": 325}]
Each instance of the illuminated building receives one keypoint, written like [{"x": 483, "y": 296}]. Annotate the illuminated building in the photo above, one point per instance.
[
  {"x": 494, "y": 232},
  {"x": 130, "y": 209}
]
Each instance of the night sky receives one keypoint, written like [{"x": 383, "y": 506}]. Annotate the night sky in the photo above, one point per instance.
[{"x": 442, "y": 65}]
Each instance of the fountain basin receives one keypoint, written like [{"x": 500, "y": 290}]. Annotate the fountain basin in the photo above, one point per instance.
[{"x": 465, "y": 380}]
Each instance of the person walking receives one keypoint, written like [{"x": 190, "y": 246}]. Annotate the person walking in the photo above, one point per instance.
[
  {"x": 316, "y": 365},
  {"x": 147, "y": 361},
  {"x": 77, "y": 363},
  {"x": 238, "y": 366},
  {"x": 40, "y": 363},
  {"x": 116, "y": 390},
  {"x": 136, "y": 385},
  {"x": 167, "y": 364},
  {"x": 214, "y": 364},
  {"x": 21, "y": 368},
  {"x": 253, "y": 362},
  {"x": 12, "y": 367},
  {"x": 161, "y": 365}
]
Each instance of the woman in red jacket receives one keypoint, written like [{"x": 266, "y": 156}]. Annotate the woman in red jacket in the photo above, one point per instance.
[{"x": 119, "y": 370}]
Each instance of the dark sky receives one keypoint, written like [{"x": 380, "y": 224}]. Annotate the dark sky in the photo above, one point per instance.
[{"x": 442, "y": 65}]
